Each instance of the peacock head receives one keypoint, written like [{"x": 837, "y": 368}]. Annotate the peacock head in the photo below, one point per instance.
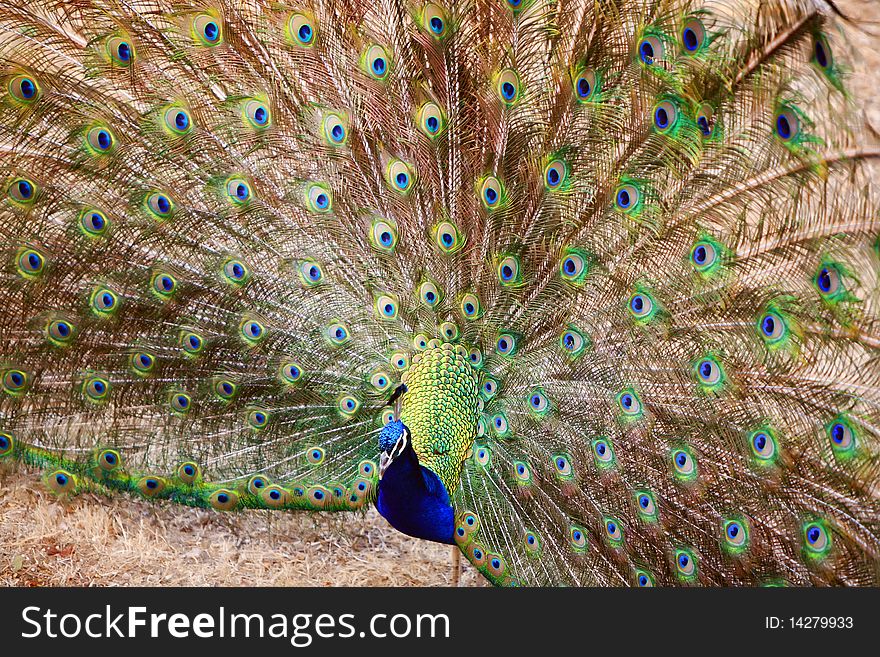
[{"x": 393, "y": 439}]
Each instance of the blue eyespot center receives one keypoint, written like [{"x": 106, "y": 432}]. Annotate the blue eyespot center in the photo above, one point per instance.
[
  {"x": 783, "y": 127},
  {"x": 123, "y": 51},
  {"x": 61, "y": 479},
  {"x": 643, "y": 580},
  {"x": 768, "y": 325},
  {"x": 305, "y": 33},
  {"x": 25, "y": 189},
  {"x": 637, "y": 303},
  {"x": 824, "y": 280},
  {"x": 508, "y": 90},
  {"x": 385, "y": 238},
  {"x": 703, "y": 124},
  {"x": 733, "y": 530},
  {"x": 681, "y": 459},
  {"x": 813, "y": 534},
  {"x": 104, "y": 140},
  {"x": 626, "y": 401},
  {"x": 432, "y": 123},
  {"x": 379, "y": 66},
  {"x": 821, "y": 54},
  {"x": 436, "y": 24},
  {"x": 661, "y": 118},
  {"x": 553, "y": 176},
  {"x": 28, "y": 89},
  {"x": 644, "y": 502},
  {"x": 700, "y": 255},
  {"x": 491, "y": 195},
  {"x": 838, "y": 433},
  {"x": 337, "y": 132},
  {"x": 683, "y": 560},
  {"x": 583, "y": 88},
  {"x": 760, "y": 441},
  {"x": 646, "y": 51},
  {"x": 163, "y": 204},
  {"x": 691, "y": 42},
  {"x": 211, "y": 31},
  {"x": 181, "y": 120},
  {"x": 623, "y": 199}
]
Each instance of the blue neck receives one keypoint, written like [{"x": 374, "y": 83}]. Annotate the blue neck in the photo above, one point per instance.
[{"x": 414, "y": 500}]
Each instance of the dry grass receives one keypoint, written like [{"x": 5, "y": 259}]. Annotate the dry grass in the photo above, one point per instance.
[{"x": 95, "y": 541}]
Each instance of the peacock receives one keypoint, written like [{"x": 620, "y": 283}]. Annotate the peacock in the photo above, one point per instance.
[{"x": 585, "y": 288}]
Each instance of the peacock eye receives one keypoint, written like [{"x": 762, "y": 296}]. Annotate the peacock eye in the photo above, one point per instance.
[
  {"x": 100, "y": 139},
  {"x": 429, "y": 293},
  {"x": 24, "y": 89},
  {"x": 14, "y": 381},
  {"x": 772, "y": 327},
  {"x": 703, "y": 255},
  {"x": 60, "y": 332},
  {"x": 380, "y": 381},
  {"x": 787, "y": 126},
  {"x": 572, "y": 267},
  {"x": 164, "y": 285},
  {"x": 109, "y": 459},
  {"x": 640, "y": 305},
  {"x": 735, "y": 534},
  {"x": 506, "y": 344},
  {"x": 483, "y": 456},
  {"x": 644, "y": 579},
  {"x": 449, "y": 330},
  {"x": 604, "y": 453},
  {"x": 257, "y": 114},
  {"x": 613, "y": 531},
  {"x": 399, "y": 176},
  {"x": 578, "y": 538},
  {"x": 763, "y": 445},
  {"x": 490, "y": 192},
  {"x": 338, "y": 333},
  {"x": 828, "y": 281},
  {"x": 522, "y": 472},
  {"x": 685, "y": 563},
  {"x": 377, "y": 63},
  {"x": 31, "y": 263},
  {"x": 693, "y": 36},
  {"x": 225, "y": 389},
  {"x": 448, "y": 237},
  {"x": 508, "y": 86},
  {"x": 383, "y": 235},
  {"x": 684, "y": 464},
  {"x": 160, "y": 205},
  {"x": 310, "y": 273},
  {"x": 490, "y": 387},
  {"x": 302, "y": 30},
  {"x": 470, "y": 306},
  {"x": 399, "y": 361},
  {"x": 348, "y": 405},
  {"x": 629, "y": 403},
  {"x": 665, "y": 116},
  {"x": 103, "y": 301},
  {"x": 499, "y": 424},
  {"x": 709, "y": 372},
  {"x": 585, "y": 84},
  {"x": 434, "y": 20},
  {"x": 386, "y": 307},
  {"x": 236, "y": 272},
  {"x": 178, "y": 121},
  {"x": 430, "y": 119},
  {"x": 562, "y": 464},
  {"x": 816, "y": 538},
  {"x": 207, "y": 29},
  {"x": 335, "y": 129},
  {"x": 252, "y": 330},
  {"x": 257, "y": 419},
  {"x": 120, "y": 51},
  {"x": 651, "y": 49},
  {"x": 572, "y": 342},
  {"x": 22, "y": 191},
  {"x": 822, "y": 55},
  {"x": 192, "y": 343},
  {"x": 627, "y": 197},
  {"x": 509, "y": 271},
  {"x": 555, "y": 174},
  {"x": 706, "y": 119},
  {"x": 647, "y": 506},
  {"x": 290, "y": 372},
  {"x": 538, "y": 402},
  {"x": 475, "y": 357},
  {"x": 238, "y": 191},
  {"x": 843, "y": 438},
  {"x": 94, "y": 223},
  {"x": 181, "y": 402}
]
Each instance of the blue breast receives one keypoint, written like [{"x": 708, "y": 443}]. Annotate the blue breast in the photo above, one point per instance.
[{"x": 414, "y": 500}]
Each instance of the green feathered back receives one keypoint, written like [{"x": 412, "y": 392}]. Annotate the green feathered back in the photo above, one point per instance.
[{"x": 230, "y": 229}]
